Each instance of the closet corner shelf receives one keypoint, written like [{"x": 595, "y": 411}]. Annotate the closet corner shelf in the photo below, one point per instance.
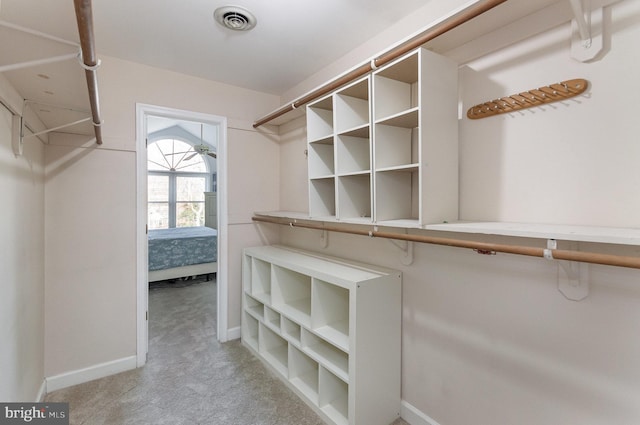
[{"x": 564, "y": 232}]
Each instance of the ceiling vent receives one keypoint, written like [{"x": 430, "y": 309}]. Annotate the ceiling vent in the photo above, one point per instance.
[{"x": 235, "y": 18}]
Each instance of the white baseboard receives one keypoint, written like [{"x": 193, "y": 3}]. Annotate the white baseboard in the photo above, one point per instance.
[
  {"x": 414, "y": 416},
  {"x": 81, "y": 376},
  {"x": 42, "y": 392},
  {"x": 233, "y": 333}
]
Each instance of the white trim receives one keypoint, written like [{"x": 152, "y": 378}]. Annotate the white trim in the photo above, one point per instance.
[
  {"x": 42, "y": 391},
  {"x": 142, "y": 289},
  {"x": 233, "y": 333},
  {"x": 142, "y": 112},
  {"x": 223, "y": 232},
  {"x": 87, "y": 374},
  {"x": 414, "y": 416}
]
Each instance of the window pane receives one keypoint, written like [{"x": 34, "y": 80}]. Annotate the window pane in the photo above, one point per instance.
[
  {"x": 174, "y": 155},
  {"x": 156, "y": 160},
  {"x": 190, "y": 214},
  {"x": 190, "y": 189},
  {"x": 158, "y": 216},
  {"x": 158, "y": 188},
  {"x": 192, "y": 163}
]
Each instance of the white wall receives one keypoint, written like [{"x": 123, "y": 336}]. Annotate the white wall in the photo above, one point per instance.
[
  {"x": 90, "y": 256},
  {"x": 21, "y": 266},
  {"x": 568, "y": 162},
  {"x": 91, "y": 209},
  {"x": 490, "y": 339}
]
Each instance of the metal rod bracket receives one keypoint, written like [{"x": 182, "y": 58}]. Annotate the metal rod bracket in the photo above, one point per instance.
[
  {"x": 573, "y": 280},
  {"x": 88, "y": 67},
  {"x": 324, "y": 239},
  {"x": 586, "y": 32},
  {"x": 16, "y": 135},
  {"x": 406, "y": 249},
  {"x": 36, "y": 62},
  {"x": 573, "y": 276}
]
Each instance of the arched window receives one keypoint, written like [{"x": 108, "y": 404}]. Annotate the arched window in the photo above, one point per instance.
[{"x": 178, "y": 176}]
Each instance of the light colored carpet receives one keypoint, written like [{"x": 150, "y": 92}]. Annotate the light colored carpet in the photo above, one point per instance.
[{"x": 189, "y": 378}]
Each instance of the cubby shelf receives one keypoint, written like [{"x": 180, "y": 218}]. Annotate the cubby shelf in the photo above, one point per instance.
[
  {"x": 340, "y": 169},
  {"x": 323, "y": 327},
  {"x": 401, "y": 118}
]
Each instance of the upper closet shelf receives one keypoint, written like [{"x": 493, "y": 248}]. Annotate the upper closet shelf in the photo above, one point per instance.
[
  {"x": 50, "y": 116},
  {"x": 613, "y": 235},
  {"x": 594, "y": 234}
]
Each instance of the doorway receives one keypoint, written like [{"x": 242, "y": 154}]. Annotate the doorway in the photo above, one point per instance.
[{"x": 147, "y": 119}]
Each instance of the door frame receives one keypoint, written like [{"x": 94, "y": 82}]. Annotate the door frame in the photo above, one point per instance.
[{"x": 143, "y": 111}]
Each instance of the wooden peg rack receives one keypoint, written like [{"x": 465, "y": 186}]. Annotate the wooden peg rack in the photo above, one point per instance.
[{"x": 535, "y": 97}]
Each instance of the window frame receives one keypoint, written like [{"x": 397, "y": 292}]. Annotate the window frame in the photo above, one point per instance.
[{"x": 173, "y": 181}]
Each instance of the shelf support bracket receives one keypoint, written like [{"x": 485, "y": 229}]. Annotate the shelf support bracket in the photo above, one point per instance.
[
  {"x": 586, "y": 31},
  {"x": 16, "y": 135},
  {"x": 27, "y": 64},
  {"x": 49, "y": 130},
  {"x": 324, "y": 239},
  {"x": 407, "y": 251},
  {"x": 573, "y": 277}
]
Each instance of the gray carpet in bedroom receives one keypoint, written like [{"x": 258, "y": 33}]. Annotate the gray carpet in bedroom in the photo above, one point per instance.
[{"x": 189, "y": 378}]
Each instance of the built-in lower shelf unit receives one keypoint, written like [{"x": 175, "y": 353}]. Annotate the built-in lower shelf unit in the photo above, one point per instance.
[{"x": 329, "y": 328}]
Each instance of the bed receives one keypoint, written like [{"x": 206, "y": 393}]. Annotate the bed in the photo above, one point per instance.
[{"x": 182, "y": 252}]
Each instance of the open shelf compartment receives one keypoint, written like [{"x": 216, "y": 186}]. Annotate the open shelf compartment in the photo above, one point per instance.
[
  {"x": 254, "y": 307},
  {"x": 272, "y": 319},
  {"x": 333, "y": 397},
  {"x": 398, "y": 195},
  {"x": 303, "y": 373},
  {"x": 395, "y": 146},
  {"x": 353, "y": 154},
  {"x": 330, "y": 316},
  {"x": 292, "y": 294},
  {"x": 261, "y": 280},
  {"x": 352, "y": 106},
  {"x": 332, "y": 357},
  {"x": 321, "y": 160},
  {"x": 354, "y": 197},
  {"x": 320, "y": 119},
  {"x": 274, "y": 349},
  {"x": 395, "y": 87},
  {"x": 291, "y": 331},
  {"x": 250, "y": 331},
  {"x": 322, "y": 197}
]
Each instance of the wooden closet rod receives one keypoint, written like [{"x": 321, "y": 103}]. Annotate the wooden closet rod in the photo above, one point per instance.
[
  {"x": 84, "y": 16},
  {"x": 556, "y": 254},
  {"x": 429, "y": 34}
]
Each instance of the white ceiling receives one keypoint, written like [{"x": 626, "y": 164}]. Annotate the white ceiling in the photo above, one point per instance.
[{"x": 292, "y": 40}]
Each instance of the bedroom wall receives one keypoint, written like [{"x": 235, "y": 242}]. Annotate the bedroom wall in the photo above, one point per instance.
[
  {"x": 490, "y": 339},
  {"x": 21, "y": 265},
  {"x": 91, "y": 210}
]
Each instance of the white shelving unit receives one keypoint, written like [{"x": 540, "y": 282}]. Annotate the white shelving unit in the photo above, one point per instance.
[
  {"x": 399, "y": 168},
  {"x": 318, "y": 322},
  {"x": 339, "y": 145},
  {"x": 415, "y": 140}
]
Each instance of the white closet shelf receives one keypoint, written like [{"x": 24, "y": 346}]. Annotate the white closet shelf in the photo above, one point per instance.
[
  {"x": 567, "y": 232},
  {"x": 564, "y": 232},
  {"x": 324, "y": 334}
]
